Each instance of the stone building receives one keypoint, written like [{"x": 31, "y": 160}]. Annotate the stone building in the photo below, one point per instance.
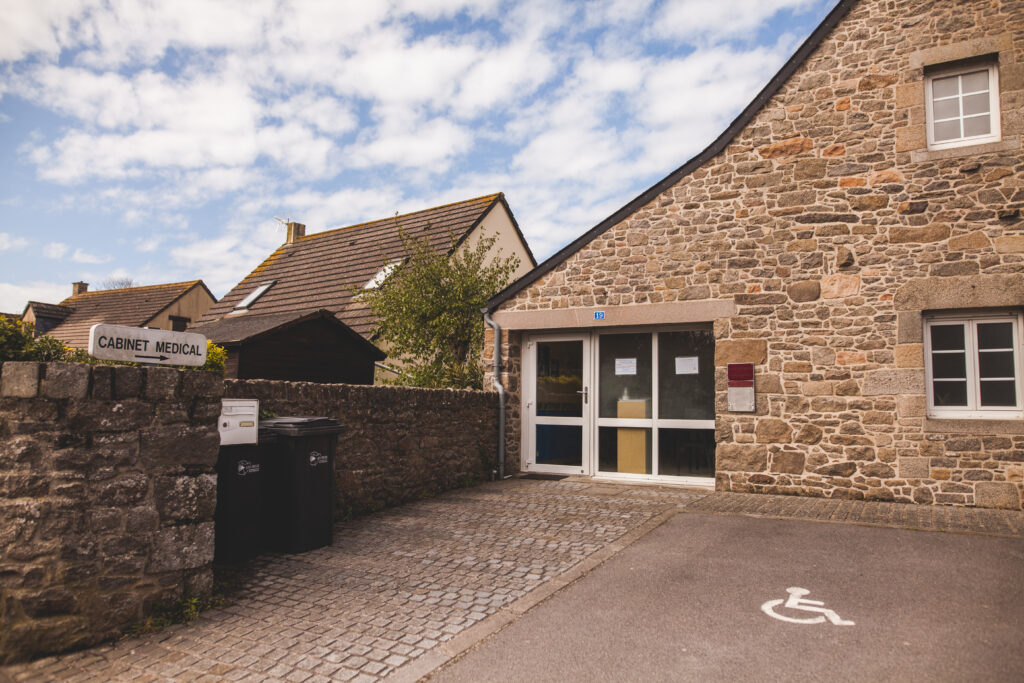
[{"x": 855, "y": 236}]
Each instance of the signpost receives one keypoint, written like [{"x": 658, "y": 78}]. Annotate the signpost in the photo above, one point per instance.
[{"x": 142, "y": 345}]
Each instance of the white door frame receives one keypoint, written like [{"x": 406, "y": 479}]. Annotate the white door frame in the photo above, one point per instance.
[
  {"x": 590, "y": 420},
  {"x": 529, "y": 407}
]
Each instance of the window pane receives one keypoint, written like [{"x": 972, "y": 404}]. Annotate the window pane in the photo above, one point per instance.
[
  {"x": 947, "y": 130},
  {"x": 977, "y": 125},
  {"x": 686, "y": 375},
  {"x": 944, "y": 87},
  {"x": 560, "y": 378},
  {"x": 996, "y": 394},
  {"x": 624, "y": 449},
  {"x": 995, "y": 335},
  {"x": 950, "y": 393},
  {"x": 625, "y": 382},
  {"x": 973, "y": 104},
  {"x": 559, "y": 445},
  {"x": 686, "y": 452},
  {"x": 995, "y": 364},
  {"x": 948, "y": 337},
  {"x": 949, "y": 365},
  {"x": 947, "y": 109},
  {"x": 974, "y": 82}
]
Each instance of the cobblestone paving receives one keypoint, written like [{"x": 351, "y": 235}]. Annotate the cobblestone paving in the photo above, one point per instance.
[
  {"x": 392, "y": 586},
  {"x": 926, "y": 517}
]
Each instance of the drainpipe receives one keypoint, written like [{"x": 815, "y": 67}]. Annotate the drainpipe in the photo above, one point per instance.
[{"x": 501, "y": 392}]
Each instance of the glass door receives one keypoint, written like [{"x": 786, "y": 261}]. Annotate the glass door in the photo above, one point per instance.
[
  {"x": 557, "y": 404},
  {"x": 656, "y": 404}
]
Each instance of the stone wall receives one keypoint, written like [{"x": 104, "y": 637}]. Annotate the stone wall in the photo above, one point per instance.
[
  {"x": 832, "y": 228},
  {"x": 398, "y": 443},
  {"x": 107, "y": 495}
]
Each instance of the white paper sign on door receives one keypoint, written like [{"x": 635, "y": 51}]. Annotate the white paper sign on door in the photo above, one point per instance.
[
  {"x": 625, "y": 366},
  {"x": 687, "y": 365}
]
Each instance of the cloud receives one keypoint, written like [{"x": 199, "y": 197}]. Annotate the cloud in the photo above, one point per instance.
[
  {"x": 10, "y": 242},
  {"x": 82, "y": 256},
  {"x": 707, "y": 21},
  {"x": 14, "y": 297},
  {"x": 55, "y": 250}
]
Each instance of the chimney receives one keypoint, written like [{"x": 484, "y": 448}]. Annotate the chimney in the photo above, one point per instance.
[
  {"x": 295, "y": 231},
  {"x": 79, "y": 288}
]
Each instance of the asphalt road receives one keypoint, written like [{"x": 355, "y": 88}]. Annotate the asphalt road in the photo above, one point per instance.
[{"x": 684, "y": 603}]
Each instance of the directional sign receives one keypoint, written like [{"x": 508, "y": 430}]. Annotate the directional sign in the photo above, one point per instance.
[{"x": 142, "y": 345}]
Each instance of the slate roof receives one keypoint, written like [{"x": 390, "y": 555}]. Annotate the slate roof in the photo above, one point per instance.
[
  {"x": 235, "y": 330},
  {"x": 134, "y": 306},
  {"x": 44, "y": 310},
  {"x": 710, "y": 152},
  {"x": 320, "y": 270}
]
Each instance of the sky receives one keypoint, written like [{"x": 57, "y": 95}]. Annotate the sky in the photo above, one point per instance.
[{"x": 160, "y": 141}]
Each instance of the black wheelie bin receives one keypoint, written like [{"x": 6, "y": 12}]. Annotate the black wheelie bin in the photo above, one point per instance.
[
  {"x": 241, "y": 498},
  {"x": 299, "y": 505}
]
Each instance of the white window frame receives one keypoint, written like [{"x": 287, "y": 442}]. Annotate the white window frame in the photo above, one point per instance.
[
  {"x": 255, "y": 294},
  {"x": 973, "y": 410},
  {"x": 995, "y": 133}
]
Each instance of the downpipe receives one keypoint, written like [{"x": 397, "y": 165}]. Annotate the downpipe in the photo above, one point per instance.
[{"x": 501, "y": 393}]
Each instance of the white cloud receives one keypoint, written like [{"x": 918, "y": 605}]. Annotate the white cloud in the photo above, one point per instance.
[
  {"x": 55, "y": 250},
  {"x": 14, "y": 297},
  {"x": 709, "y": 21},
  {"x": 403, "y": 140},
  {"x": 82, "y": 256},
  {"x": 10, "y": 242}
]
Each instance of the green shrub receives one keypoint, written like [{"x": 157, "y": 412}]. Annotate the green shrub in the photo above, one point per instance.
[{"x": 16, "y": 340}]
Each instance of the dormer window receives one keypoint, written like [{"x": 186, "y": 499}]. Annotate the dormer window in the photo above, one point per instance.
[
  {"x": 254, "y": 295},
  {"x": 382, "y": 275}
]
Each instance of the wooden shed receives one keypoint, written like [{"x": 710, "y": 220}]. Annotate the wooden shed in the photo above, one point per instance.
[{"x": 311, "y": 346}]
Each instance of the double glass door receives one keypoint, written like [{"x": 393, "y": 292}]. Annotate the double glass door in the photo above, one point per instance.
[{"x": 624, "y": 404}]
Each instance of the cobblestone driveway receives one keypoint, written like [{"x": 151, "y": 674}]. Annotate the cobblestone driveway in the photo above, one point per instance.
[{"x": 392, "y": 588}]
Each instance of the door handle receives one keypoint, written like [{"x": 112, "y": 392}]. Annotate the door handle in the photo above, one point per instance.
[{"x": 584, "y": 392}]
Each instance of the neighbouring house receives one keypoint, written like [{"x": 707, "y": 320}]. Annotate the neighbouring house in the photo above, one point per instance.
[
  {"x": 325, "y": 271},
  {"x": 294, "y": 346},
  {"x": 827, "y": 301},
  {"x": 164, "y": 307}
]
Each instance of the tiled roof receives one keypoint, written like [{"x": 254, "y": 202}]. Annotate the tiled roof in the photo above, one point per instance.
[
  {"x": 234, "y": 329},
  {"x": 43, "y": 310},
  {"x": 12, "y": 316},
  {"x": 133, "y": 306},
  {"x": 322, "y": 269}
]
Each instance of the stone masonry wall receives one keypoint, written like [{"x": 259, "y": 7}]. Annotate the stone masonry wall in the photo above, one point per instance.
[
  {"x": 107, "y": 496},
  {"x": 398, "y": 444},
  {"x": 833, "y": 228}
]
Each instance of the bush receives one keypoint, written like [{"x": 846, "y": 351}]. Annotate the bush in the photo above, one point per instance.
[{"x": 16, "y": 340}]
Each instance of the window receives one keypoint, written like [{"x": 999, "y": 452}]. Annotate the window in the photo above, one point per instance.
[
  {"x": 253, "y": 295},
  {"x": 973, "y": 366},
  {"x": 962, "y": 106},
  {"x": 178, "y": 323}
]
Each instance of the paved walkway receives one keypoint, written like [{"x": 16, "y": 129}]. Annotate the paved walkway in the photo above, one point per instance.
[{"x": 402, "y": 592}]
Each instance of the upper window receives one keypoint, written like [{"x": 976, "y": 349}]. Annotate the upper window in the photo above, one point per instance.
[
  {"x": 253, "y": 295},
  {"x": 962, "y": 106},
  {"x": 973, "y": 366}
]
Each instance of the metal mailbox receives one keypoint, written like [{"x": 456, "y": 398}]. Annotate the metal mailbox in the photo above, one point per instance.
[{"x": 239, "y": 421}]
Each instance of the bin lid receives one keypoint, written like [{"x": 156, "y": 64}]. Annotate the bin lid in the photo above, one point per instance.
[{"x": 301, "y": 425}]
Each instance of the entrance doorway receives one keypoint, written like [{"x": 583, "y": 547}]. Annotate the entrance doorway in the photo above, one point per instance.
[{"x": 626, "y": 404}]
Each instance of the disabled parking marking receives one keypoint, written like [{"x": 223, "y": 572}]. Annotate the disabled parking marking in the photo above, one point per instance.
[{"x": 797, "y": 602}]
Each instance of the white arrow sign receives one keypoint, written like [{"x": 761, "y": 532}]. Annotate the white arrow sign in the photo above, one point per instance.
[{"x": 142, "y": 345}]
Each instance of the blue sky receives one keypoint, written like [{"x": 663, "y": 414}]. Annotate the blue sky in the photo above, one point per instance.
[{"x": 158, "y": 140}]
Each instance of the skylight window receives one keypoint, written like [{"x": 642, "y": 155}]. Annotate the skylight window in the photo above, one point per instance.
[
  {"x": 382, "y": 275},
  {"x": 255, "y": 294}
]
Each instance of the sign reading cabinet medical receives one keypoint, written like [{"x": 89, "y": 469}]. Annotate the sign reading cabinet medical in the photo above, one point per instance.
[{"x": 142, "y": 345}]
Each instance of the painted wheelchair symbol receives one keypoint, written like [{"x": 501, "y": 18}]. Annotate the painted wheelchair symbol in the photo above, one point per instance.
[{"x": 797, "y": 602}]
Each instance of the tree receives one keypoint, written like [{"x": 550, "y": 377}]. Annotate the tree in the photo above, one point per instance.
[
  {"x": 118, "y": 283},
  {"x": 428, "y": 310}
]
